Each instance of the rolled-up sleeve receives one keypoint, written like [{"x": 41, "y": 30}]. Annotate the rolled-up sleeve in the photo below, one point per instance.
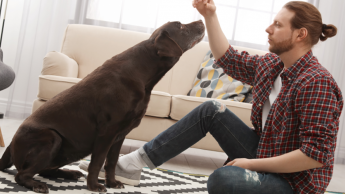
[
  {"x": 318, "y": 110},
  {"x": 240, "y": 66}
]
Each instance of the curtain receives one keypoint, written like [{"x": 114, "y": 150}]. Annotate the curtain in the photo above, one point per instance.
[
  {"x": 330, "y": 54},
  {"x": 32, "y": 29}
]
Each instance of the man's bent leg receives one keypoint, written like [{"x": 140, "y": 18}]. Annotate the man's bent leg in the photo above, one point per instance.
[
  {"x": 233, "y": 179},
  {"x": 234, "y": 137}
]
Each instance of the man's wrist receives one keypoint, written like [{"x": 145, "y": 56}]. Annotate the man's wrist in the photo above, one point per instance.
[
  {"x": 211, "y": 17},
  {"x": 255, "y": 165}
]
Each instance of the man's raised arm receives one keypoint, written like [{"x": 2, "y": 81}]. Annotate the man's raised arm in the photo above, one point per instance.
[{"x": 217, "y": 40}]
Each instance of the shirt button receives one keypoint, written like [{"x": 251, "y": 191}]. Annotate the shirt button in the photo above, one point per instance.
[
  {"x": 259, "y": 104},
  {"x": 289, "y": 79}
]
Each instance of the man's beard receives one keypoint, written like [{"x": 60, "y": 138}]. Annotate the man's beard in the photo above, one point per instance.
[{"x": 281, "y": 47}]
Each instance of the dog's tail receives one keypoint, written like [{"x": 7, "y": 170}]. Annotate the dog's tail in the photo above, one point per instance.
[{"x": 6, "y": 159}]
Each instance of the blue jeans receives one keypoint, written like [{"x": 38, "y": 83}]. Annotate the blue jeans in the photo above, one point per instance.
[{"x": 234, "y": 137}]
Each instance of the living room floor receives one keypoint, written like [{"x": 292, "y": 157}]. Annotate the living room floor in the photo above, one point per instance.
[{"x": 194, "y": 161}]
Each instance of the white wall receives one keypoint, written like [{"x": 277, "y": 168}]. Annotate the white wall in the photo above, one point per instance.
[{"x": 331, "y": 55}]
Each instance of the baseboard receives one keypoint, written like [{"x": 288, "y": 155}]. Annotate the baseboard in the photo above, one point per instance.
[{"x": 18, "y": 109}]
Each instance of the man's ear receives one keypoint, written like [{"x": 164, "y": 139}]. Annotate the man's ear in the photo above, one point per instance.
[
  {"x": 166, "y": 46},
  {"x": 302, "y": 34}
]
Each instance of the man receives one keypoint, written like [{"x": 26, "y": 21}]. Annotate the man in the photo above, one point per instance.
[{"x": 295, "y": 114}]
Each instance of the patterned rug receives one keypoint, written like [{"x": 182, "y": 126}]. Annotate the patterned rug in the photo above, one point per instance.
[{"x": 157, "y": 181}]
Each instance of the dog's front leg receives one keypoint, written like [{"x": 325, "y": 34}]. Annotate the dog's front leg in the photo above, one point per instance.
[
  {"x": 112, "y": 158},
  {"x": 100, "y": 150}
]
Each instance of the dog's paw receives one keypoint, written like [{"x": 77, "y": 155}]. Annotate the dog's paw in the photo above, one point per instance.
[
  {"x": 40, "y": 188},
  {"x": 114, "y": 184},
  {"x": 97, "y": 188}
]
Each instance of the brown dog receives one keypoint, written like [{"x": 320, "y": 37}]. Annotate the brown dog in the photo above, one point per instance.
[{"x": 95, "y": 115}]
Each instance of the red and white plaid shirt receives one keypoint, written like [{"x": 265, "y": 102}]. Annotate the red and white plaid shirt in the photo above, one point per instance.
[{"x": 305, "y": 114}]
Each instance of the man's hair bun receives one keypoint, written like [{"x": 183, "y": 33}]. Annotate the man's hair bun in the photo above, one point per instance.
[{"x": 328, "y": 31}]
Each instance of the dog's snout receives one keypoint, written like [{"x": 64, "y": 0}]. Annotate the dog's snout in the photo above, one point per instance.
[
  {"x": 201, "y": 27},
  {"x": 199, "y": 22}
]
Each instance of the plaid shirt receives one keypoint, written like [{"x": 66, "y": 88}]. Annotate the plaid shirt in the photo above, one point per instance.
[{"x": 305, "y": 114}]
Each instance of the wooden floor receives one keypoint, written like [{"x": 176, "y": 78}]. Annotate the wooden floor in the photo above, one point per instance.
[{"x": 192, "y": 160}]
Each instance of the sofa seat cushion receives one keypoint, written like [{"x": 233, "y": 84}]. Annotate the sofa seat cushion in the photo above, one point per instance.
[
  {"x": 51, "y": 85},
  {"x": 159, "y": 105},
  {"x": 182, "y": 105}
]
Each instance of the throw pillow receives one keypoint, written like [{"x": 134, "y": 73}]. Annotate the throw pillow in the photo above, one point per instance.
[
  {"x": 249, "y": 97},
  {"x": 212, "y": 82}
]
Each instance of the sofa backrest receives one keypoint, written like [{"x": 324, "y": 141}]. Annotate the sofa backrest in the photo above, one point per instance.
[{"x": 90, "y": 46}]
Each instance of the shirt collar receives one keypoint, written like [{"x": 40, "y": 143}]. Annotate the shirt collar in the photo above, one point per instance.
[{"x": 294, "y": 70}]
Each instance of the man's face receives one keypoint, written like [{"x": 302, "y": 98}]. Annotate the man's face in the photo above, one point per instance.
[{"x": 280, "y": 33}]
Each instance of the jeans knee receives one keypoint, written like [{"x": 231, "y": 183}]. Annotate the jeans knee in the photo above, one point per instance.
[
  {"x": 232, "y": 178},
  {"x": 217, "y": 181},
  {"x": 214, "y": 106}
]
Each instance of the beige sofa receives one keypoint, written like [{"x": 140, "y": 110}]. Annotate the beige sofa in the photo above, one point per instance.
[{"x": 85, "y": 47}]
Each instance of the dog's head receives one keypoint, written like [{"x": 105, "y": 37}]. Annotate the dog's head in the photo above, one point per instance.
[{"x": 173, "y": 38}]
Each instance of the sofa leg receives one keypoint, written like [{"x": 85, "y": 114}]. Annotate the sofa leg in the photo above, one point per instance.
[{"x": 2, "y": 143}]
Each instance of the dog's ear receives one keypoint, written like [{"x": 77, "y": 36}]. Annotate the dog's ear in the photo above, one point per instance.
[{"x": 166, "y": 46}]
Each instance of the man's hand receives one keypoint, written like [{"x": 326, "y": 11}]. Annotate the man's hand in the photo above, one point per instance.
[
  {"x": 218, "y": 42},
  {"x": 241, "y": 162},
  {"x": 205, "y": 7}
]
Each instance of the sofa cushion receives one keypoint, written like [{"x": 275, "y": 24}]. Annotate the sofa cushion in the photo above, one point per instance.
[
  {"x": 90, "y": 46},
  {"x": 212, "y": 82},
  {"x": 50, "y": 85},
  {"x": 249, "y": 97},
  {"x": 159, "y": 105},
  {"x": 181, "y": 105}
]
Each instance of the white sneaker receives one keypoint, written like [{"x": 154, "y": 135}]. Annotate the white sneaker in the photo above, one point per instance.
[{"x": 126, "y": 177}]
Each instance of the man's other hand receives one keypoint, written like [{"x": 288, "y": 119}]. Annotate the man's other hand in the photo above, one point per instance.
[{"x": 240, "y": 162}]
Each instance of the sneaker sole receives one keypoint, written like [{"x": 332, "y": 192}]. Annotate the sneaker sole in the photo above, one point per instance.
[
  {"x": 127, "y": 181},
  {"x": 119, "y": 178}
]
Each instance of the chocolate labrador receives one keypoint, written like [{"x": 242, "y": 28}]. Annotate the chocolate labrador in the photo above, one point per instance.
[{"x": 95, "y": 115}]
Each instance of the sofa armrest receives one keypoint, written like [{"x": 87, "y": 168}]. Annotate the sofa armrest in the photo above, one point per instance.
[
  {"x": 59, "y": 64},
  {"x": 51, "y": 85}
]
